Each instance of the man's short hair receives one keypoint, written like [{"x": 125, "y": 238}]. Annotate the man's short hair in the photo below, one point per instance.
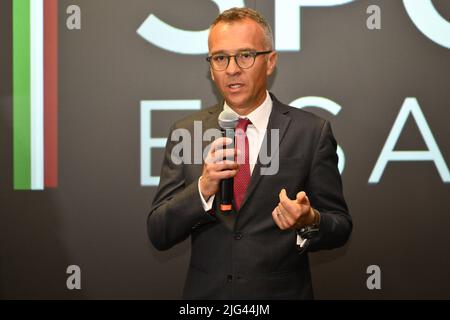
[{"x": 238, "y": 14}]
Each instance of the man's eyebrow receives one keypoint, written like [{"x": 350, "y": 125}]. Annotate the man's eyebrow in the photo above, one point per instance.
[
  {"x": 228, "y": 52},
  {"x": 247, "y": 49},
  {"x": 218, "y": 52}
]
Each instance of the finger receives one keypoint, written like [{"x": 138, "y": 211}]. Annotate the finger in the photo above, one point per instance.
[
  {"x": 213, "y": 170},
  {"x": 220, "y": 155},
  {"x": 275, "y": 218},
  {"x": 287, "y": 203},
  {"x": 282, "y": 215},
  {"x": 225, "y": 174},
  {"x": 285, "y": 216},
  {"x": 219, "y": 144},
  {"x": 302, "y": 198},
  {"x": 224, "y": 165},
  {"x": 278, "y": 220},
  {"x": 283, "y": 195},
  {"x": 231, "y": 162},
  {"x": 209, "y": 158}
]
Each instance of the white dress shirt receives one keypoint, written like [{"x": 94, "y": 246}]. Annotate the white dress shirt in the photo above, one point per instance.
[{"x": 255, "y": 133}]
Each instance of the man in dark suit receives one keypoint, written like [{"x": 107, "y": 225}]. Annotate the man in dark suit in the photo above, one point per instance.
[{"x": 259, "y": 249}]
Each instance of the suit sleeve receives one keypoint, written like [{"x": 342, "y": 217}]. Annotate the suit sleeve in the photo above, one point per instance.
[
  {"x": 177, "y": 208},
  {"x": 324, "y": 189}
]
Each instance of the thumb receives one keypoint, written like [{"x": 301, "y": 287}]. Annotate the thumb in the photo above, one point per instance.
[
  {"x": 302, "y": 197},
  {"x": 283, "y": 195}
]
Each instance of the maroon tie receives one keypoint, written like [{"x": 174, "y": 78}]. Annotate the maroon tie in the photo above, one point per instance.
[{"x": 242, "y": 178}]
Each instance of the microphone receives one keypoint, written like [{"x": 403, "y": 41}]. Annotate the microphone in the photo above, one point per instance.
[{"x": 228, "y": 122}]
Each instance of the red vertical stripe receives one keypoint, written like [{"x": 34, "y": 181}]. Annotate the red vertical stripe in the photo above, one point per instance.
[{"x": 51, "y": 93}]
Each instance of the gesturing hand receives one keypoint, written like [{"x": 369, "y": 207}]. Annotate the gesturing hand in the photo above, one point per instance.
[{"x": 293, "y": 214}]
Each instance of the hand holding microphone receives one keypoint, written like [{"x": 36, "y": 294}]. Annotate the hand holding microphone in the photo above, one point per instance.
[
  {"x": 220, "y": 166},
  {"x": 216, "y": 168}
]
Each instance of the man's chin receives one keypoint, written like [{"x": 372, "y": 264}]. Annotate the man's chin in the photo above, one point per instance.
[
  {"x": 236, "y": 102},
  {"x": 237, "y": 106}
]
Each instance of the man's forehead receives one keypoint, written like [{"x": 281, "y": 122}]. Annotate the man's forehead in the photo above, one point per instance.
[
  {"x": 244, "y": 24},
  {"x": 245, "y": 33}
]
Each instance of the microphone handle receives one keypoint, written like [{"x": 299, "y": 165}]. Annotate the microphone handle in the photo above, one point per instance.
[{"x": 227, "y": 185}]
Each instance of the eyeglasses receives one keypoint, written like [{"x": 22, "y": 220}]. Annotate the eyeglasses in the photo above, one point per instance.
[{"x": 244, "y": 59}]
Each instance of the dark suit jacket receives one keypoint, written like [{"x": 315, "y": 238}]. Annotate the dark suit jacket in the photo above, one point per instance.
[{"x": 244, "y": 255}]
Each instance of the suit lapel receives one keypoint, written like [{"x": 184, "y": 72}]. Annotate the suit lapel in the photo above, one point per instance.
[
  {"x": 212, "y": 121},
  {"x": 279, "y": 120}
]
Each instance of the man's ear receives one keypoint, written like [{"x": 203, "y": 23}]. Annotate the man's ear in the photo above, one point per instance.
[
  {"x": 212, "y": 74},
  {"x": 272, "y": 62}
]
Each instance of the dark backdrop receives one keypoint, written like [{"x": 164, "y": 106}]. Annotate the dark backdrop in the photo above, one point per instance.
[{"x": 96, "y": 218}]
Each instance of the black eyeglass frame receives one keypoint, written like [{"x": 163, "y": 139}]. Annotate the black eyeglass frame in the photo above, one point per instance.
[{"x": 254, "y": 54}]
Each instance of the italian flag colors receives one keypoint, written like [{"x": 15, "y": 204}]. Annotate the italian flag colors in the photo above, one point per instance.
[{"x": 35, "y": 94}]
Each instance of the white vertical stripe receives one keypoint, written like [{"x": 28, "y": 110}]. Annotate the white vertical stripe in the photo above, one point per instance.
[{"x": 37, "y": 93}]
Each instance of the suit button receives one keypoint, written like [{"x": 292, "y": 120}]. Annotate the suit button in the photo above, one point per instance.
[{"x": 238, "y": 236}]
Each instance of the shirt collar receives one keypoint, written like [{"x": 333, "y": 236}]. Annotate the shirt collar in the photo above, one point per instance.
[{"x": 260, "y": 116}]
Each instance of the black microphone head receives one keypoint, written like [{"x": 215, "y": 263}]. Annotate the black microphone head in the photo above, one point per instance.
[{"x": 228, "y": 120}]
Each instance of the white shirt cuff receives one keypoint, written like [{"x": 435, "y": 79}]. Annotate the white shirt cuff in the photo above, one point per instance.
[{"x": 207, "y": 205}]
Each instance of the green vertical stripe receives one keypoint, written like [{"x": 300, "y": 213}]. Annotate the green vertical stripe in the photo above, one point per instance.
[{"x": 21, "y": 89}]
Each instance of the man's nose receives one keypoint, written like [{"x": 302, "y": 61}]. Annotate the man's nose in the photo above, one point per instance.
[{"x": 233, "y": 67}]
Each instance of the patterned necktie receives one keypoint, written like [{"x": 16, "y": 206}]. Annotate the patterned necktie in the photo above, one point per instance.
[{"x": 242, "y": 178}]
